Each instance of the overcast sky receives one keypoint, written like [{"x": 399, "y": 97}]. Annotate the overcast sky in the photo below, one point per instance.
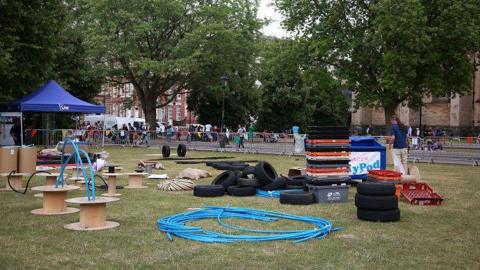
[{"x": 266, "y": 10}]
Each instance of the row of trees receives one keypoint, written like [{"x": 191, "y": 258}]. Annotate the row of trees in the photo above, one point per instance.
[{"x": 388, "y": 52}]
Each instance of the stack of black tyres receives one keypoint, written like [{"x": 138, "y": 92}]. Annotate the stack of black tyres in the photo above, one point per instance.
[{"x": 377, "y": 202}]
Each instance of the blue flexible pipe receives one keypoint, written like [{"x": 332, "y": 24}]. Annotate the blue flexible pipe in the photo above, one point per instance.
[
  {"x": 274, "y": 193},
  {"x": 79, "y": 164},
  {"x": 175, "y": 225}
]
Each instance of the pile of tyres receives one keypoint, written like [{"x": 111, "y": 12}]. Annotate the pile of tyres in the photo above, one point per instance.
[
  {"x": 327, "y": 151},
  {"x": 376, "y": 201},
  {"x": 241, "y": 179}
]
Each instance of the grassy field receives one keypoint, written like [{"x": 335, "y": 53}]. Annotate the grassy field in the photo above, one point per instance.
[{"x": 444, "y": 237}]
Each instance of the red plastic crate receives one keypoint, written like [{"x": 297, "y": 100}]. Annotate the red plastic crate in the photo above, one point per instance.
[
  {"x": 420, "y": 194},
  {"x": 385, "y": 175}
]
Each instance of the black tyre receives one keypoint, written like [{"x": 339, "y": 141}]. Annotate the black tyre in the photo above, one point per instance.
[
  {"x": 378, "y": 203},
  {"x": 221, "y": 166},
  {"x": 278, "y": 184},
  {"x": 247, "y": 182},
  {"x": 238, "y": 167},
  {"x": 298, "y": 180},
  {"x": 376, "y": 189},
  {"x": 265, "y": 173},
  {"x": 181, "y": 150},
  {"x": 241, "y": 191},
  {"x": 383, "y": 216},
  {"x": 166, "y": 151},
  {"x": 293, "y": 187},
  {"x": 299, "y": 198},
  {"x": 225, "y": 179},
  {"x": 208, "y": 190},
  {"x": 248, "y": 171}
]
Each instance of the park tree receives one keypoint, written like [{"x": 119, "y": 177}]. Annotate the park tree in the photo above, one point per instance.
[
  {"x": 43, "y": 40},
  {"x": 75, "y": 68},
  {"x": 295, "y": 91},
  {"x": 30, "y": 34},
  {"x": 390, "y": 52},
  {"x": 166, "y": 47},
  {"x": 226, "y": 46}
]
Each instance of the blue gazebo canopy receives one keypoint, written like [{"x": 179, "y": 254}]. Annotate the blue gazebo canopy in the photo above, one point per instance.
[{"x": 51, "y": 97}]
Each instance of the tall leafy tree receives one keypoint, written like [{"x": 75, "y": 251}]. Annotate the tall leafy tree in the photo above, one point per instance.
[
  {"x": 225, "y": 46},
  {"x": 294, "y": 90},
  {"x": 391, "y": 52},
  {"x": 30, "y": 34},
  {"x": 75, "y": 68},
  {"x": 164, "y": 46}
]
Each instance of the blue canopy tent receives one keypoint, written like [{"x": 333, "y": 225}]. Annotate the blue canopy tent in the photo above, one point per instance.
[{"x": 51, "y": 97}]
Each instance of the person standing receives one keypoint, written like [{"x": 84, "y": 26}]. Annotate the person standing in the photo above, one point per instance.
[
  {"x": 16, "y": 132},
  {"x": 208, "y": 132},
  {"x": 240, "y": 133},
  {"x": 368, "y": 131},
  {"x": 398, "y": 138},
  {"x": 295, "y": 130},
  {"x": 250, "y": 133}
]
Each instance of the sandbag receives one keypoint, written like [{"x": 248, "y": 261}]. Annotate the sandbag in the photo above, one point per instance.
[{"x": 193, "y": 174}]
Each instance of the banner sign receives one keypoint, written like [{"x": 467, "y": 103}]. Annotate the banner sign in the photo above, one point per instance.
[
  {"x": 362, "y": 162},
  {"x": 6, "y": 123}
]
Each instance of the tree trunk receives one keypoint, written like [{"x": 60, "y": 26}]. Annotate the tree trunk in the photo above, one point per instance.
[
  {"x": 389, "y": 112},
  {"x": 149, "y": 109}
]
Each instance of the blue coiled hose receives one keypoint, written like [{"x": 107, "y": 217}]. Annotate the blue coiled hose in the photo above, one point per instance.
[
  {"x": 176, "y": 225},
  {"x": 274, "y": 193}
]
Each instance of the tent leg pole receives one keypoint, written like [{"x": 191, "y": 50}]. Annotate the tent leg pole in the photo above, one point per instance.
[
  {"x": 103, "y": 132},
  {"x": 21, "y": 128}
]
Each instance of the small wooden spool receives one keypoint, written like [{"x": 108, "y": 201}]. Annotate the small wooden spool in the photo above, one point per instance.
[
  {"x": 54, "y": 200},
  {"x": 51, "y": 179},
  {"x": 93, "y": 214},
  {"x": 112, "y": 185},
  {"x": 135, "y": 180},
  {"x": 16, "y": 180}
]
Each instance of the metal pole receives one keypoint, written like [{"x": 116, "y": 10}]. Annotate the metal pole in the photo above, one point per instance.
[
  {"x": 223, "y": 107},
  {"x": 103, "y": 131},
  {"x": 473, "y": 91},
  {"x": 21, "y": 128}
]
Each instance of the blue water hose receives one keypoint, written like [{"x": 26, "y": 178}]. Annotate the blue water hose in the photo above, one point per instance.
[
  {"x": 275, "y": 193},
  {"x": 175, "y": 225},
  {"x": 89, "y": 177}
]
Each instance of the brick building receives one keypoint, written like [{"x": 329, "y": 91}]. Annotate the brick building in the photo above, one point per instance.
[
  {"x": 121, "y": 100},
  {"x": 457, "y": 115}
]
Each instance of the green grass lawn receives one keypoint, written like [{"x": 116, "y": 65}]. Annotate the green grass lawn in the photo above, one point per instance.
[{"x": 429, "y": 237}]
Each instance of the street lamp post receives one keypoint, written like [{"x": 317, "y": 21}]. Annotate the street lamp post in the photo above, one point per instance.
[{"x": 225, "y": 80}]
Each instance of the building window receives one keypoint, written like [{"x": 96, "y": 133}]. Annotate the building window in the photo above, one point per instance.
[
  {"x": 170, "y": 112},
  {"x": 179, "y": 97},
  {"x": 162, "y": 114},
  {"x": 178, "y": 115}
]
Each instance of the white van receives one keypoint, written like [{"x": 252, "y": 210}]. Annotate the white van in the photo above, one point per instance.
[{"x": 111, "y": 120}]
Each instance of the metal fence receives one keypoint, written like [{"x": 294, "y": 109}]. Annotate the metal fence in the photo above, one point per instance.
[{"x": 463, "y": 150}]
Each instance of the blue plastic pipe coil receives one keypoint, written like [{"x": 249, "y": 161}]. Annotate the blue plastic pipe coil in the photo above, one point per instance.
[{"x": 176, "y": 225}]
